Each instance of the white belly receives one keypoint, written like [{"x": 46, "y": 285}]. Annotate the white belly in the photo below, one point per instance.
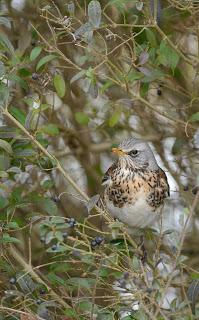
[{"x": 138, "y": 215}]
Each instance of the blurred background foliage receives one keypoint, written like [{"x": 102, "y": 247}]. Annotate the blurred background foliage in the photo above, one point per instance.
[{"x": 77, "y": 77}]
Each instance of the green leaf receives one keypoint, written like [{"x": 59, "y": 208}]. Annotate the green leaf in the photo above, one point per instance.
[
  {"x": 12, "y": 225},
  {"x": 78, "y": 76},
  {"x": 135, "y": 263},
  {"x": 61, "y": 267},
  {"x": 116, "y": 224},
  {"x": 81, "y": 282},
  {"x": 195, "y": 276},
  {"x": 4, "y": 162},
  {"x": 5, "y": 42},
  {"x": 144, "y": 88},
  {"x": 5, "y": 146},
  {"x": 16, "y": 197},
  {"x": 94, "y": 13},
  {"x": 71, "y": 313},
  {"x": 26, "y": 283},
  {"x": 150, "y": 35},
  {"x": 23, "y": 72},
  {"x": 29, "y": 123},
  {"x": 93, "y": 90},
  {"x": 7, "y": 239},
  {"x": 59, "y": 236},
  {"x": 56, "y": 280},
  {"x": 35, "y": 53},
  {"x": 5, "y": 22},
  {"x": 59, "y": 85},
  {"x": 81, "y": 118},
  {"x": 114, "y": 118},
  {"x": 3, "y": 202},
  {"x": 43, "y": 141},
  {"x": 90, "y": 74},
  {"x": 23, "y": 84},
  {"x": 84, "y": 30},
  {"x": 177, "y": 146},
  {"x": 134, "y": 75},
  {"x": 2, "y": 69},
  {"x": 154, "y": 74},
  {"x": 141, "y": 315},
  {"x": 104, "y": 272},
  {"x": 71, "y": 8},
  {"x": 57, "y": 220},
  {"x": 49, "y": 236},
  {"x": 47, "y": 163},
  {"x": 4, "y": 93},
  {"x": 50, "y": 129},
  {"x": 107, "y": 84},
  {"x": 4, "y": 174},
  {"x": 49, "y": 206},
  {"x": 46, "y": 204},
  {"x": 7, "y": 132},
  {"x": 45, "y": 60},
  {"x": 87, "y": 305},
  {"x": 7, "y": 267},
  {"x": 47, "y": 184},
  {"x": 168, "y": 57},
  {"x": 193, "y": 293},
  {"x": 25, "y": 152},
  {"x": 18, "y": 114},
  {"x": 194, "y": 117},
  {"x": 120, "y": 4}
]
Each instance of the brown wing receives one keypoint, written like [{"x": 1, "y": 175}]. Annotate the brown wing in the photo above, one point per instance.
[
  {"x": 109, "y": 173},
  {"x": 105, "y": 179},
  {"x": 163, "y": 183},
  {"x": 160, "y": 189}
]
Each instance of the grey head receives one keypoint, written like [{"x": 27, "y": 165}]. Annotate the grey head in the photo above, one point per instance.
[{"x": 136, "y": 153}]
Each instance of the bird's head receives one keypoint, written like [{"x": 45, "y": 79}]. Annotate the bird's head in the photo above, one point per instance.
[{"x": 135, "y": 153}]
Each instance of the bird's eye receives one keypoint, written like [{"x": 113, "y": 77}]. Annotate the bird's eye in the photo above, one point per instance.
[{"x": 134, "y": 153}]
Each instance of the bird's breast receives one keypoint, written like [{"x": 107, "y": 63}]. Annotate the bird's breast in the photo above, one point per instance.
[
  {"x": 137, "y": 215},
  {"x": 127, "y": 189},
  {"x": 126, "y": 200}
]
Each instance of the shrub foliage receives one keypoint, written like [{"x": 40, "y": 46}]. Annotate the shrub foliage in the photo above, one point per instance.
[{"x": 76, "y": 77}]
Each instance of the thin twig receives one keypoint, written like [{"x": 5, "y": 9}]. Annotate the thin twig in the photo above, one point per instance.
[
  {"x": 50, "y": 156},
  {"x": 27, "y": 314},
  {"x": 179, "y": 249},
  {"x": 28, "y": 268}
]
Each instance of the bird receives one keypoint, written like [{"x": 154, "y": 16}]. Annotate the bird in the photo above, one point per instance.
[{"x": 135, "y": 186}]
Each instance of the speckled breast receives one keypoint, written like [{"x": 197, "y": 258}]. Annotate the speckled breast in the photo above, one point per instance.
[{"x": 126, "y": 198}]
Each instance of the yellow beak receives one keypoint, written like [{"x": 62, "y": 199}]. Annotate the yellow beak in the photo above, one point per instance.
[{"x": 119, "y": 152}]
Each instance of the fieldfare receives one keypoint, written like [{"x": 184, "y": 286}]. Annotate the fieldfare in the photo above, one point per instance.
[{"x": 135, "y": 186}]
